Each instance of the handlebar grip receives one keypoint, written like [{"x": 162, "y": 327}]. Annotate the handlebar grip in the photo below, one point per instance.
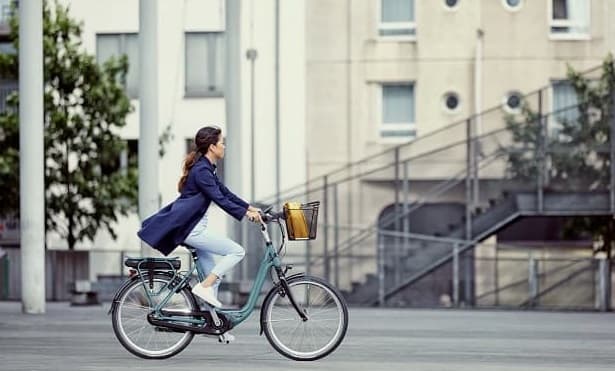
[{"x": 269, "y": 217}]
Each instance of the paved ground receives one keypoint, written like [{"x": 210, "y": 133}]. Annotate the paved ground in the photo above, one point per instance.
[{"x": 78, "y": 338}]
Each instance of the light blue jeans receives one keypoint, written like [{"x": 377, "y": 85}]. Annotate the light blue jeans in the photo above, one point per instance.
[{"x": 208, "y": 244}]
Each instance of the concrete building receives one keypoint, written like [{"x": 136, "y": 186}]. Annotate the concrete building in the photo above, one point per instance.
[
  {"x": 382, "y": 72},
  {"x": 386, "y": 72},
  {"x": 191, "y": 74}
]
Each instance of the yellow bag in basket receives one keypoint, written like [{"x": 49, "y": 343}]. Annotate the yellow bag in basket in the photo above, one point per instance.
[{"x": 295, "y": 220}]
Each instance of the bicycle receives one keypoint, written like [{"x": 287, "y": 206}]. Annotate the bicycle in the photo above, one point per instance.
[{"x": 304, "y": 318}]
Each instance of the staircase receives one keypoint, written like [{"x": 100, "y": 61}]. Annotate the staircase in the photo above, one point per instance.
[{"x": 419, "y": 263}]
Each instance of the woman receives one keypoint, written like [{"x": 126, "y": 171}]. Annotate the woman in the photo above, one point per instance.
[{"x": 184, "y": 221}]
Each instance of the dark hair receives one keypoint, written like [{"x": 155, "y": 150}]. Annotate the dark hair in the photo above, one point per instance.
[{"x": 205, "y": 137}]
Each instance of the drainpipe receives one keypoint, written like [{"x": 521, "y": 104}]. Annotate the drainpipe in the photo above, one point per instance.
[{"x": 478, "y": 108}]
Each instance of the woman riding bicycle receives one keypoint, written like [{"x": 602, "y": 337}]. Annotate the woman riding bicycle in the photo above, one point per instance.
[{"x": 184, "y": 221}]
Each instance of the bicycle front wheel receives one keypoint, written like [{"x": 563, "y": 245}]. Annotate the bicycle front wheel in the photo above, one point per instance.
[
  {"x": 320, "y": 334},
  {"x": 132, "y": 328}
]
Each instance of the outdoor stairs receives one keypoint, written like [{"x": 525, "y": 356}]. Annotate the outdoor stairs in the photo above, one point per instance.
[{"x": 427, "y": 256}]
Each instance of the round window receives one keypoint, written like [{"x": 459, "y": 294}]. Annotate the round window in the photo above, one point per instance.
[
  {"x": 451, "y": 3},
  {"x": 451, "y": 102},
  {"x": 512, "y": 102},
  {"x": 513, "y": 4}
]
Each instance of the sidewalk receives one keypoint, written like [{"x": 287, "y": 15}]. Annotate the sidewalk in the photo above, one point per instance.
[{"x": 81, "y": 339}]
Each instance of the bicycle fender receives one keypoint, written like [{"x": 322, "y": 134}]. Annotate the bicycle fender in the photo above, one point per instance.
[
  {"x": 127, "y": 282},
  {"x": 119, "y": 291},
  {"x": 273, "y": 290}
]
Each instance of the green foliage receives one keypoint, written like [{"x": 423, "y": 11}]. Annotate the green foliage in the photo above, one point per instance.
[
  {"x": 575, "y": 155},
  {"x": 85, "y": 106}
]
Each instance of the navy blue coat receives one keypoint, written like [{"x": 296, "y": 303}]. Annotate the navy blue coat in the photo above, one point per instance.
[{"x": 171, "y": 225}]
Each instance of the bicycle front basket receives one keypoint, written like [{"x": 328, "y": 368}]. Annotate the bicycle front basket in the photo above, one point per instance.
[{"x": 301, "y": 220}]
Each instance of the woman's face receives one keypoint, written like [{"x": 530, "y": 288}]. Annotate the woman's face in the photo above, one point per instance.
[{"x": 218, "y": 148}]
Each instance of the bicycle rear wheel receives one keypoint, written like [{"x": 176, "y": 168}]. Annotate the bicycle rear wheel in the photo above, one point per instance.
[
  {"x": 132, "y": 328},
  {"x": 308, "y": 340}
]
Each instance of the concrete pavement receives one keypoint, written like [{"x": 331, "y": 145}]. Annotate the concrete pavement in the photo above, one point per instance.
[{"x": 81, "y": 338}]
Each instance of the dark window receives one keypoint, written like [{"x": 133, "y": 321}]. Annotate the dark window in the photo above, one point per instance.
[
  {"x": 204, "y": 64},
  {"x": 451, "y": 3},
  {"x": 451, "y": 101},
  {"x": 128, "y": 157},
  {"x": 116, "y": 45}
]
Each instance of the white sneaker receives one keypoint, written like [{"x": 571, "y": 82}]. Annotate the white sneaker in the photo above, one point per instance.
[
  {"x": 226, "y": 338},
  {"x": 207, "y": 294}
]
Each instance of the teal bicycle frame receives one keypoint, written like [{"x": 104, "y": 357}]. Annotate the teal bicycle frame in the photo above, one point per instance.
[{"x": 270, "y": 260}]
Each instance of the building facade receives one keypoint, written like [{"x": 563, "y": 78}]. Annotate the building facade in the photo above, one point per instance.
[
  {"x": 384, "y": 72},
  {"x": 191, "y": 78}
]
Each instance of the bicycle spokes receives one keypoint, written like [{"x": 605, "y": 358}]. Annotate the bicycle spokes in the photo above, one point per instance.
[{"x": 316, "y": 335}]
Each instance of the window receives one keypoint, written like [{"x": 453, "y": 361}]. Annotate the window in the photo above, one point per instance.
[
  {"x": 451, "y": 3},
  {"x": 128, "y": 157},
  {"x": 116, "y": 45},
  {"x": 7, "y": 47},
  {"x": 512, "y": 102},
  {"x": 204, "y": 64},
  {"x": 451, "y": 102},
  {"x": 7, "y": 87},
  {"x": 569, "y": 18},
  {"x": 398, "y": 111},
  {"x": 512, "y": 4},
  {"x": 397, "y": 19},
  {"x": 6, "y": 11},
  {"x": 565, "y": 104}
]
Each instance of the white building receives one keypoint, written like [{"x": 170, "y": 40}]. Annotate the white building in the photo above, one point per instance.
[{"x": 191, "y": 78}]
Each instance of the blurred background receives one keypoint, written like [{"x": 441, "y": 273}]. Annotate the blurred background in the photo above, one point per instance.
[{"x": 461, "y": 150}]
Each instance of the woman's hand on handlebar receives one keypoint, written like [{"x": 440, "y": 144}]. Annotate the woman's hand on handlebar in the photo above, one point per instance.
[
  {"x": 254, "y": 216},
  {"x": 252, "y": 208}
]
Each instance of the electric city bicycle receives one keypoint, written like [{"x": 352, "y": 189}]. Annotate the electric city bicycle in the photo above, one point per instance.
[{"x": 155, "y": 315}]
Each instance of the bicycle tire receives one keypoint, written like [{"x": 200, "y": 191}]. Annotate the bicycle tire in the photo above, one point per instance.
[
  {"x": 275, "y": 338},
  {"x": 124, "y": 339}
]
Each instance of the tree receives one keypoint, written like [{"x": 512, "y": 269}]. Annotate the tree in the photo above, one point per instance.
[
  {"x": 577, "y": 151},
  {"x": 85, "y": 105}
]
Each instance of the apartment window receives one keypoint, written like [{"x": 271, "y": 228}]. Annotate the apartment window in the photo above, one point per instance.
[
  {"x": 398, "y": 111},
  {"x": 204, "y": 64},
  {"x": 128, "y": 157},
  {"x": 6, "y": 11},
  {"x": 116, "y": 45},
  {"x": 565, "y": 104},
  {"x": 570, "y": 18},
  {"x": 397, "y": 19},
  {"x": 7, "y": 87},
  {"x": 7, "y": 47}
]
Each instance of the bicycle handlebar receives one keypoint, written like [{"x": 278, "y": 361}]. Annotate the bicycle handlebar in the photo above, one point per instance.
[{"x": 272, "y": 216}]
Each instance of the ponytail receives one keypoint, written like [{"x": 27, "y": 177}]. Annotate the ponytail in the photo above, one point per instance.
[{"x": 189, "y": 162}]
